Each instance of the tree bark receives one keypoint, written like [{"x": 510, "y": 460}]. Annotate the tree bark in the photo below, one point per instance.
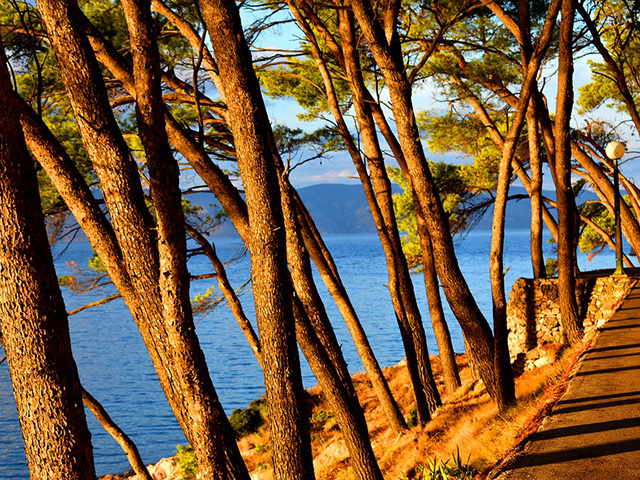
[
  {"x": 566, "y": 245},
  {"x": 272, "y": 289},
  {"x": 129, "y": 448},
  {"x": 426, "y": 398},
  {"x": 170, "y": 339},
  {"x": 33, "y": 318},
  {"x": 438, "y": 321},
  {"x": 535, "y": 164},
  {"x": 321, "y": 349},
  {"x": 472, "y": 322},
  {"x": 432, "y": 287},
  {"x": 378, "y": 191},
  {"x": 327, "y": 373}
]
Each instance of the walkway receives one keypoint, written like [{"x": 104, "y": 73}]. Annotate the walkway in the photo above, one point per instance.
[{"x": 594, "y": 430}]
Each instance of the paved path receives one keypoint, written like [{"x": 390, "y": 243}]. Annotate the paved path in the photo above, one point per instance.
[{"x": 594, "y": 430}]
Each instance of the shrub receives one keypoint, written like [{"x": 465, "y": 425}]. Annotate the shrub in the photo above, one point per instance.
[
  {"x": 246, "y": 420},
  {"x": 319, "y": 418},
  {"x": 186, "y": 461},
  {"x": 412, "y": 418}
]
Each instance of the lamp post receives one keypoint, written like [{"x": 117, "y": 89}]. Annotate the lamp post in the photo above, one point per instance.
[{"x": 615, "y": 151}]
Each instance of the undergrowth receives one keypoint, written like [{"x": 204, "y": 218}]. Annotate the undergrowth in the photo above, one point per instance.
[{"x": 453, "y": 468}]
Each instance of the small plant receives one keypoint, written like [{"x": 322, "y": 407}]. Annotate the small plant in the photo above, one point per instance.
[
  {"x": 412, "y": 418},
  {"x": 452, "y": 469},
  {"x": 319, "y": 418},
  {"x": 186, "y": 461},
  {"x": 262, "y": 447}
]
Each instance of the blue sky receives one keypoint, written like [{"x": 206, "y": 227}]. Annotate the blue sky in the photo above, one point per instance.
[{"x": 338, "y": 168}]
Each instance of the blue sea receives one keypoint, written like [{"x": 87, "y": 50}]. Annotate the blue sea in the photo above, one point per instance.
[{"x": 115, "y": 368}]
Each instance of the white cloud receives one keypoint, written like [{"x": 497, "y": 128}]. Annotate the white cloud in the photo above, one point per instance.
[{"x": 330, "y": 176}]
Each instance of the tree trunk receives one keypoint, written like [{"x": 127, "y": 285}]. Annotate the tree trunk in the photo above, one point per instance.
[
  {"x": 432, "y": 287},
  {"x": 272, "y": 289},
  {"x": 566, "y": 247},
  {"x": 236, "y": 208},
  {"x": 322, "y": 351},
  {"x": 438, "y": 321},
  {"x": 328, "y": 271},
  {"x": 129, "y": 448},
  {"x": 378, "y": 191},
  {"x": 535, "y": 164},
  {"x": 473, "y": 323},
  {"x": 136, "y": 266},
  {"x": 33, "y": 318}
]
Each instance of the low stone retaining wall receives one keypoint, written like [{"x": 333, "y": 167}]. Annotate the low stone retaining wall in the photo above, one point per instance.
[{"x": 534, "y": 313}]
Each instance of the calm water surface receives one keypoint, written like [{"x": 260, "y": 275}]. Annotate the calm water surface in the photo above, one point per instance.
[{"x": 116, "y": 369}]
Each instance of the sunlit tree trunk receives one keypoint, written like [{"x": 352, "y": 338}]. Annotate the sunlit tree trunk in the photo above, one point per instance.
[
  {"x": 133, "y": 262},
  {"x": 33, "y": 317},
  {"x": 535, "y": 194},
  {"x": 271, "y": 284},
  {"x": 378, "y": 191},
  {"x": 432, "y": 286},
  {"x": 473, "y": 323},
  {"x": 438, "y": 321},
  {"x": 566, "y": 243}
]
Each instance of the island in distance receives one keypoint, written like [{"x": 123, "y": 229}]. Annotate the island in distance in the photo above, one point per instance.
[{"x": 342, "y": 209}]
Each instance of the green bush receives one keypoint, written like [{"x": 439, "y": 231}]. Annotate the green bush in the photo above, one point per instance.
[
  {"x": 246, "y": 420},
  {"x": 186, "y": 461},
  {"x": 261, "y": 406},
  {"x": 412, "y": 418},
  {"x": 319, "y": 418}
]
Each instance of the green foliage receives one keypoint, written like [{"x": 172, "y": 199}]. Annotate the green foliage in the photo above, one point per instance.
[
  {"x": 301, "y": 80},
  {"x": 250, "y": 419},
  {"x": 187, "y": 462},
  {"x": 460, "y": 200},
  {"x": 618, "y": 26},
  {"x": 298, "y": 147},
  {"x": 551, "y": 267},
  {"x": 199, "y": 218},
  {"x": 65, "y": 280},
  {"x": 412, "y": 418},
  {"x": 319, "y": 418},
  {"x": 455, "y": 468},
  {"x": 262, "y": 447},
  {"x": 95, "y": 264},
  {"x": 204, "y": 296}
]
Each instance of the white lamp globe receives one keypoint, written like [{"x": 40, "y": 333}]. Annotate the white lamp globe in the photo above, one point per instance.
[{"x": 615, "y": 150}]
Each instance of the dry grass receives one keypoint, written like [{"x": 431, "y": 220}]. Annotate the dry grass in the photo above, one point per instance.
[{"x": 468, "y": 421}]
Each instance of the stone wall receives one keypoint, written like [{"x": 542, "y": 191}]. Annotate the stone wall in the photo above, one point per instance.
[{"x": 534, "y": 313}]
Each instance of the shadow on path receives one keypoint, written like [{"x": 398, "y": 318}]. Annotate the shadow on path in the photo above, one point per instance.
[{"x": 593, "y": 432}]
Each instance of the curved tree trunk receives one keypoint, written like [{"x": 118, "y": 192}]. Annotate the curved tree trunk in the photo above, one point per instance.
[
  {"x": 134, "y": 262},
  {"x": 321, "y": 349},
  {"x": 473, "y": 323},
  {"x": 129, "y": 448},
  {"x": 378, "y": 189},
  {"x": 328, "y": 271},
  {"x": 438, "y": 321},
  {"x": 33, "y": 318},
  {"x": 432, "y": 287}
]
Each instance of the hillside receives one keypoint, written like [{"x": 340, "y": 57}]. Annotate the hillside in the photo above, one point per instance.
[{"x": 343, "y": 209}]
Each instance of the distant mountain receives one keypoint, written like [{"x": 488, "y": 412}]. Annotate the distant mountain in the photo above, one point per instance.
[
  {"x": 338, "y": 208},
  {"x": 342, "y": 208}
]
